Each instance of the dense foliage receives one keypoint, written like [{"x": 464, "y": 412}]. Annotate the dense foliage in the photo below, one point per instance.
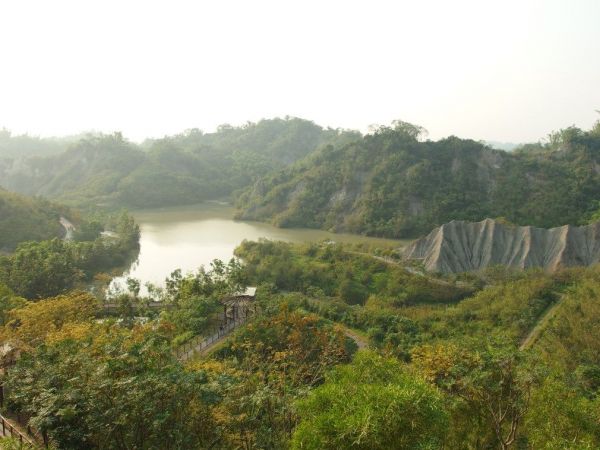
[
  {"x": 452, "y": 362},
  {"x": 47, "y": 268},
  {"x": 503, "y": 387},
  {"x": 28, "y": 219},
  {"x": 294, "y": 173},
  {"x": 371, "y": 404},
  {"x": 328, "y": 269},
  {"x": 95, "y": 385},
  {"x": 391, "y": 184}
]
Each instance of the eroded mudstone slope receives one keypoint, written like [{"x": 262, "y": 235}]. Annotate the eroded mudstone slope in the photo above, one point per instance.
[{"x": 460, "y": 246}]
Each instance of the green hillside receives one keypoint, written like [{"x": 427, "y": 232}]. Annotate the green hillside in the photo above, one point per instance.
[
  {"x": 23, "y": 145},
  {"x": 27, "y": 219},
  {"x": 392, "y": 184},
  {"x": 106, "y": 170}
]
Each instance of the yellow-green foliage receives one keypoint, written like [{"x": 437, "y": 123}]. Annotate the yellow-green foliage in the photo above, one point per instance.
[
  {"x": 371, "y": 404},
  {"x": 337, "y": 270},
  {"x": 572, "y": 337},
  {"x": 560, "y": 417},
  {"x": 510, "y": 309},
  {"x": 29, "y": 325}
]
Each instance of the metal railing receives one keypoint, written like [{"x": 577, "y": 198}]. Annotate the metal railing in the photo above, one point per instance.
[{"x": 200, "y": 343}]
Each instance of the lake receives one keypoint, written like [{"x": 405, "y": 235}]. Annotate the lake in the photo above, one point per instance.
[{"x": 191, "y": 236}]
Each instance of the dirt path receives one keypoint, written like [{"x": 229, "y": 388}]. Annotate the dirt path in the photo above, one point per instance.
[
  {"x": 539, "y": 327},
  {"x": 69, "y": 228},
  {"x": 408, "y": 269},
  {"x": 361, "y": 341}
]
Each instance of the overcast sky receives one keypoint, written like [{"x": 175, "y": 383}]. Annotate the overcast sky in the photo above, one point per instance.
[{"x": 494, "y": 70}]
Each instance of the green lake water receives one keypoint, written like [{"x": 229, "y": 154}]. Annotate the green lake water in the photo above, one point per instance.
[{"x": 191, "y": 236}]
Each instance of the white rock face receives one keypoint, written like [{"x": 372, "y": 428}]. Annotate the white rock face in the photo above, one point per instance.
[{"x": 461, "y": 246}]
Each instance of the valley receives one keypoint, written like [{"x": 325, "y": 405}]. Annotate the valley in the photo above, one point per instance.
[
  {"x": 316, "y": 225},
  {"x": 469, "y": 334}
]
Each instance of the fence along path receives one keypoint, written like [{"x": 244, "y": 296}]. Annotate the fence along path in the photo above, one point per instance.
[
  {"x": 201, "y": 344},
  {"x": 7, "y": 429}
]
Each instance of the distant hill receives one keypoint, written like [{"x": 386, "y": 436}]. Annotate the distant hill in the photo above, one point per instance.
[
  {"x": 391, "y": 184},
  {"x": 89, "y": 171},
  {"x": 294, "y": 173},
  {"x": 22, "y": 146},
  {"x": 461, "y": 246},
  {"x": 186, "y": 168},
  {"x": 26, "y": 219}
]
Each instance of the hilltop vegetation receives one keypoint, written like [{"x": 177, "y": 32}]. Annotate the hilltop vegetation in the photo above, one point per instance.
[
  {"x": 28, "y": 219},
  {"x": 392, "y": 184},
  {"x": 106, "y": 170},
  {"x": 294, "y": 173},
  {"x": 20, "y": 146}
]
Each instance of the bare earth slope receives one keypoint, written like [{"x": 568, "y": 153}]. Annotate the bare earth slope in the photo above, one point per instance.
[{"x": 460, "y": 246}]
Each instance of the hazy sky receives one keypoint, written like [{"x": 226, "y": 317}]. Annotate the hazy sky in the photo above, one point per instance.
[{"x": 496, "y": 70}]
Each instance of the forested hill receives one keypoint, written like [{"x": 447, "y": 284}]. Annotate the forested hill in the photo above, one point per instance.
[
  {"x": 27, "y": 219},
  {"x": 18, "y": 146},
  {"x": 392, "y": 184},
  {"x": 107, "y": 170}
]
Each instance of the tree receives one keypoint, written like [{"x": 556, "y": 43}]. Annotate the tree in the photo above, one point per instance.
[
  {"x": 88, "y": 231},
  {"x": 41, "y": 269},
  {"x": 352, "y": 292},
  {"x": 494, "y": 381},
  {"x": 108, "y": 387},
  {"x": 560, "y": 417},
  {"x": 375, "y": 404},
  {"x": 8, "y": 302},
  {"x": 277, "y": 358},
  {"x": 28, "y": 326},
  {"x": 196, "y": 296}
]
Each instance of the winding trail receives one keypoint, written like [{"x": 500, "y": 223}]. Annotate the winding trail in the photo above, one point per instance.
[
  {"x": 360, "y": 341},
  {"x": 209, "y": 343},
  {"x": 527, "y": 342},
  {"x": 539, "y": 327},
  {"x": 408, "y": 269},
  {"x": 69, "y": 228}
]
